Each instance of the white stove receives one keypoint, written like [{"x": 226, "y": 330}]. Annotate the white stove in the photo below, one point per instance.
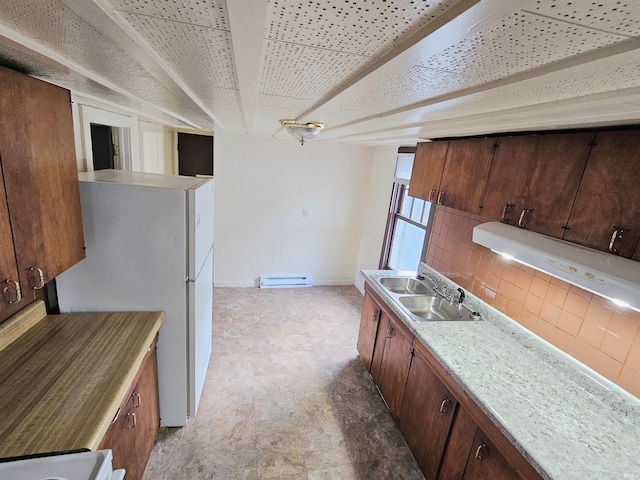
[{"x": 72, "y": 466}]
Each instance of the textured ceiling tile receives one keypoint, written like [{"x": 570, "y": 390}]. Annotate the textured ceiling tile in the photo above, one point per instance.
[
  {"x": 304, "y": 72},
  {"x": 412, "y": 86},
  {"x": 55, "y": 26},
  {"x": 282, "y": 107},
  {"x": 518, "y": 43},
  {"x": 349, "y": 26},
  {"x": 201, "y": 56},
  {"x": 621, "y": 17},
  {"x": 209, "y": 13},
  {"x": 513, "y": 96}
]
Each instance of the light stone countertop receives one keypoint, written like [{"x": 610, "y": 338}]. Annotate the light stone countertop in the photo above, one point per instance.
[{"x": 568, "y": 421}]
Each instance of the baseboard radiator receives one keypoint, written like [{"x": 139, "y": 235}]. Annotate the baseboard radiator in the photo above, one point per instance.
[{"x": 285, "y": 281}]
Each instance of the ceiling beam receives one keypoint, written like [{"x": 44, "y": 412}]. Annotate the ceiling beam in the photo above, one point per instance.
[
  {"x": 101, "y": 15},
  {"x": 65, "y": 63},
  {"x": 246, "y": 20}
]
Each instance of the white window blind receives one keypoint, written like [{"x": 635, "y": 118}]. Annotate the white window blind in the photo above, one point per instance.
[{"x": 404, "y": 165}]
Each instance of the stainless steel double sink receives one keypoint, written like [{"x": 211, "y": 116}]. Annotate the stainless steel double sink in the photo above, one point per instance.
[{"x": 421, "y": 302}]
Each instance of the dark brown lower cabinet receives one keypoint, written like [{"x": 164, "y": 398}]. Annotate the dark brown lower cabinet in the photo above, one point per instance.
[
  {"x": 448, "y": 433},
  {"x": 133, "y": 431},
  {"x": 376, "y": 362},
  {"x": 368, "y": 330},
  {"x": 470, "y": 455},
  {"x": 394, "y": 366},
  {"x": 426, "y": 415}
]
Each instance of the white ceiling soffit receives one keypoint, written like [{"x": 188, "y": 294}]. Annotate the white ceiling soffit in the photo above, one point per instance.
[{"x": 375, "y": 71}]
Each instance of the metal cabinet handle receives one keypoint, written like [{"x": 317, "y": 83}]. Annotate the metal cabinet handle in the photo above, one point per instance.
[
  {"x": 524, "y": 213},
  {"x": 478, "y": 454},
  {"x": 115, "y": 417},
  {"x": 431, "y": 193},
  {"x": 36, "y": 278},
  {"x": 617, "y": 235},
  {"x": 505, "y": 210},
  {"x": 440, "y": 196},
  {"x": 17, "y": 292},
  {"x": 133, "y": 416},
  {"x": 444, "y": 404},
  {"x": 136, "y": 397},
  {"x": 389, "y": 331},
  {"x": 375, "y": 315}
]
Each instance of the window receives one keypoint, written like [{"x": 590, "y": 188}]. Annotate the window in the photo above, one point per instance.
[{"x": 407, "y": 223}]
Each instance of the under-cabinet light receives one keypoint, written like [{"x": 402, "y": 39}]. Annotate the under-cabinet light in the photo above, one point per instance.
[{"x": 610, "y": 276}]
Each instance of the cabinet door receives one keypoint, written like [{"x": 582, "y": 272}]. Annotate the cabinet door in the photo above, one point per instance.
[
  {"x": 10, "y": 285},
  {"x": 508, "y": 178},
  {"x": 132, "y": 435},
  {"x": 426, "y": 415},
  {"x": 552, "y": 182},
  {"x": 608, "y": 199},
  {"x": 368, "y": 330},
  {"x": 454, "y": 460},
  {"x": 485, "y": 461},
  {"x": 120, "y": 437},
  {"x": 396, "y": 359},
  {"x": 465, "y": 174},
  {"x": 40, "y": 173},
  {"x": 144, "y": 417},
  {"x": 378, "y": 351},
  {"x": 538, "y": 175},
  {"x": 427, "y": 169}
]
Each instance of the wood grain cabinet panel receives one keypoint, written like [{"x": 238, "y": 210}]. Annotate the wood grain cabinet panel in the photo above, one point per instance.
[
  {"x": 376, "y": 361},
  {"x": 608, "y": 199},
  {"x": 40, "y": 177},
  {"x": 428, "y": 164},
  {"x": 508, "y": 178},
  {"x": 10, "y": 283},
  {"x": 485, "y": 461},
  {"x": 465, "y": 175},
  {"x": 132, "y": 434},
  {"x": 368, "y": 330},
  {"x": 534, "y": 180},
  {"x": 470, "y": 455},
  {"x": 426, "y": 415},
  {"x": 554, "y": 177},
  {"x": 394, "y": 367}
]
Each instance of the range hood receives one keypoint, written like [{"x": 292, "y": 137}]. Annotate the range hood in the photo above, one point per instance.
[{"x": 604, "y": 274}]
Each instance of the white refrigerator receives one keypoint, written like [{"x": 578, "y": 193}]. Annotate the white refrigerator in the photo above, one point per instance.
[{"x": 149, "y": 246}]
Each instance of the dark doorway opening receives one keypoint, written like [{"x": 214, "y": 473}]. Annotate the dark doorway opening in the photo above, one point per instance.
[
  {"x": 195, "y": 154},
  {"x": 102, "y": 147}
]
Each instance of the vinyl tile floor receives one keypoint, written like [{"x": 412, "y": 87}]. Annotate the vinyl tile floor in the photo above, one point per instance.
[{"x": 286, "y": 396}]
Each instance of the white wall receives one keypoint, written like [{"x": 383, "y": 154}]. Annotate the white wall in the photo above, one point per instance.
[
  {"x": 376, "y": 210},
  {"x": 263, "y": 185}
]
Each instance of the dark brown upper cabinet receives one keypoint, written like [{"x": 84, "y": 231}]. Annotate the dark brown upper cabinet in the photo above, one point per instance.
[
  {"x": 465, "y": 174},
  {"x": 534, "y": 180},
  {"x": 508, "y": 177},
  {"x": 12, "y": 298},
  {"x": 428, "y": 165},
  {"x": 606, "y": 213},
  {"x": 37, "y": 156},
  {"x": 452, "y": 173}
]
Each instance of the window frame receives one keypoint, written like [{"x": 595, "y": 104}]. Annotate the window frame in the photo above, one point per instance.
[{"x": 399, "y": 193}]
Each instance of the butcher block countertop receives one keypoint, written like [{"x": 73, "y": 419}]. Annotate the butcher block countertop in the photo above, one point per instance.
[{"x": 63, "y": 377}]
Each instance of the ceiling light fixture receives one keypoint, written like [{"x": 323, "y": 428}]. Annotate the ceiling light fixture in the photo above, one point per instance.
[{"x": 302, "y": 131}]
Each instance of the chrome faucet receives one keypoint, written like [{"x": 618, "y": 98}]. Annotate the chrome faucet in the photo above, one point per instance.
[{"x": 462, "y": 296}]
